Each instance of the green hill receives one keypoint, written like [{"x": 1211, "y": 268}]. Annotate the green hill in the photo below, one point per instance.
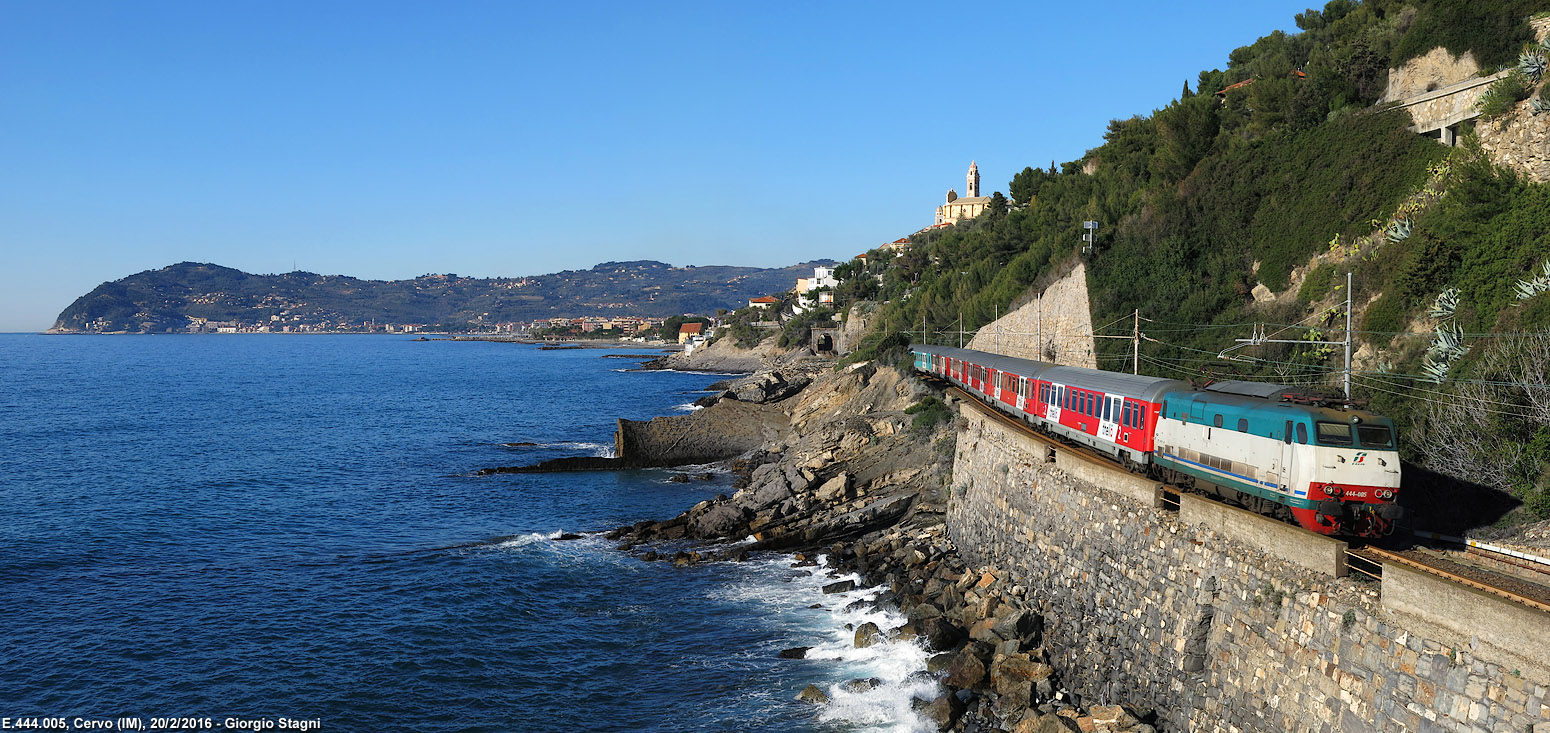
[
  {"x": 158, "y": 301},
  {"x": 1296, "y": 177}
]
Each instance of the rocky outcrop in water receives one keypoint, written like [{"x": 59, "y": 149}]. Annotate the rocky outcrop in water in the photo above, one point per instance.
[{"x": 855, "y": 479}]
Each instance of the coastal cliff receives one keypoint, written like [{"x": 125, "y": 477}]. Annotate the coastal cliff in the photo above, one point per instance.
[{"x": 861, "y": 477}]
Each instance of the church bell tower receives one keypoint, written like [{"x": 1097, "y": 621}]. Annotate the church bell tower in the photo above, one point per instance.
[{"x": 974, "y": 179}]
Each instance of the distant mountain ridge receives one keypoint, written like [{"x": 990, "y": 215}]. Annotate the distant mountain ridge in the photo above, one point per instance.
[{"x": 169, "y": 299}]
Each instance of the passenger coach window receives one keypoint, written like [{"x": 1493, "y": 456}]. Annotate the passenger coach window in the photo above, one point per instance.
[
  {"x": 1302, "y": 434},
  {"x": 1288, "y": 436},
  {"x": 1334, "y": 433},
  {"x": 1217, "y": 421},
  {"x": 1375, "y": 436},
  {"x": 1243, "y": 425}
]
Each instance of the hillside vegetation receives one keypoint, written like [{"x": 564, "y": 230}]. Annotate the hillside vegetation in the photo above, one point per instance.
[
  {"x": 163, "y": 300},
  {"x": 1289, "y": 182}
]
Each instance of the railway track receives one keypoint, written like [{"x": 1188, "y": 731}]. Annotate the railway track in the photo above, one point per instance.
[{"x": 1530, "y": 586}]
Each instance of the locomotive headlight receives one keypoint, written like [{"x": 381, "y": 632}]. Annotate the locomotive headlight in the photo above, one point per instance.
[{"x": 1356, "y": 420}]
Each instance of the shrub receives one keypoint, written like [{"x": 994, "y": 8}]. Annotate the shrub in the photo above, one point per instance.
[
  {"x": 1386, "y": 315},
  {"x": 1504, "y": 95},
  {"x": 928, "y": 413},
  {"x": 1318, "y": 282},
  {"x": 883, "y": 348}
]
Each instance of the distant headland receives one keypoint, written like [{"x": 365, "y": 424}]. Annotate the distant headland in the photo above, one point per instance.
[{"x": 192, "y": 297}]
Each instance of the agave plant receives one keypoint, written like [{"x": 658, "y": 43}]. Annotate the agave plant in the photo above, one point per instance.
[
  {"x": 1446, "y": 305},
  {"x": 1435, "y": 372},
  {"x": 1539, "y": 106},
  {"x": 1448, "y": 343},
  {"x": 1446, "y": 349},
  {"x": 1534, "y": 286},
  {"x": 1532, "y": 63},
  {"x": 1399, "y": 231}
]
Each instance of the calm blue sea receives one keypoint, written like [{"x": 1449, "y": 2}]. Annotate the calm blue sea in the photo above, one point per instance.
[{"x": 259, "y": 527}]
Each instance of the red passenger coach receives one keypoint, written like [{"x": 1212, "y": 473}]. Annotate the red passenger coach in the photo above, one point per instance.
[{"x": 1114, "y": 413}]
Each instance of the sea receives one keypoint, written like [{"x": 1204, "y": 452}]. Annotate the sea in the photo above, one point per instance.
[{"x": 275, "y": 532}]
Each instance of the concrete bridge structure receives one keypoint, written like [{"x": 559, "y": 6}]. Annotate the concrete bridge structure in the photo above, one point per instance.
[{"x": 1439, "y": 112}]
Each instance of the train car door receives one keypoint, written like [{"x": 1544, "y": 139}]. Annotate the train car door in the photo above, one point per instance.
[
  {"x": 994, "y": 378},
  {"x": 1022, "y": 393},
  {"x": 1057, "y": 393},
  {"x": 1108, "y": 418},
  {"x": 1283, "y": 467}
]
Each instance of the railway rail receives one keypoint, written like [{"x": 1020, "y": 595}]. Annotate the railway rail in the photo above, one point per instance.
[{"x": 1365, "y": 560}]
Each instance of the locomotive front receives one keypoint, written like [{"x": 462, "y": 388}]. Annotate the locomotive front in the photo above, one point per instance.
[{"x": 1348, "y": 468}]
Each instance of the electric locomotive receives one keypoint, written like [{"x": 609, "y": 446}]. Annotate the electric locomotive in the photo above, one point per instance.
[{"x": 1330, "y": 468}]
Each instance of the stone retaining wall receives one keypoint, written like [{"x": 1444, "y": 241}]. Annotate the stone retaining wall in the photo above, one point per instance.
[
  {"x": 1141, "y": 608},
  {"x": 1056, "y": 326}
]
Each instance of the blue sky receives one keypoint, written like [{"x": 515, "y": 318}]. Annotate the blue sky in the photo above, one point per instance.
[{"x": 387, "y": 140}]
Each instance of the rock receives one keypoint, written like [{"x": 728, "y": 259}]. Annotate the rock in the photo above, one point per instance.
[
  {"x": 945, "y": 710},
  {"x": 966, "y": 670},
  {"x": 796, "y": 652},
  {"x": 938, "y": 663},
  {"x": 1013, "y": 676},
  {"x": 834, "y": 488},
  {"x": 941, "y": 634},
  {"x": 843, "y": 586},
  {"x": 679, "y": 478},
  {"x": 1046, "y": 724},
  {"x": 923, "y": 611},
  {"x": 725, "y": 520},
  {"x": 567, "y": 536},
  {"x": 861, "y": 685},
  {"x": 811, "y": 694},
  {"x": 651, "y": 556},
  {"x": 868, "y": 634},
  {"x": 1112, "y": 716},
  {"x": 707, "y": 476},
  {"x": 984, "y": 630}
]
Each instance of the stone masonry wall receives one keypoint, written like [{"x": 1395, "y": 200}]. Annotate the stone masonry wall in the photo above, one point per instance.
[
  {"x": 1141, "y": 609},
  {"x": 1059, "y": 321},
  {"x": 1520, "y": 141}
]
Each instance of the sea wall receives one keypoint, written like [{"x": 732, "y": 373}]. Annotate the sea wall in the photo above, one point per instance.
[
  {"x": 1143, "y": 608},
  {"x": 1056, "y": 326}
]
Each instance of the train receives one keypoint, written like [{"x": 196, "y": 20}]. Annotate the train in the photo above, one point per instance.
[{"x": 1278, "y": 450}]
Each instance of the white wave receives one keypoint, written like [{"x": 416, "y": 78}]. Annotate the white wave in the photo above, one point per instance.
[
  {"x": 688, "y": 407},
  {"x": 899, "y": 666},
  {"x": 599, "y": 450},
  {"x": 527, "y": 539}
]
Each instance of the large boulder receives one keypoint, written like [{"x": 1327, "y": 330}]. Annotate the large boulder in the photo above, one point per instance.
[
  {"x": 811, "y": 694},
  {"x": 944, "y": 711},
  {"x": 868, "y": 634},
  {"x": 940, "y": 634},
  {"x": 966, "y": 670},
  {"x": 725, "y": 520},
  {"x": 834, "y": 489},
  {"x": 1046, "y": 724}
]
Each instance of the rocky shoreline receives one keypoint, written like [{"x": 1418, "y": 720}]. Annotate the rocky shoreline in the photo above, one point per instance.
[{"x": 857, "y": 476}]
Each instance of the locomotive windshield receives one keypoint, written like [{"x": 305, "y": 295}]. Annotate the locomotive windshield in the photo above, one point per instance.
[
  {"x": 1334, "y": 433},
  {"x": 1375, "y": 436}
]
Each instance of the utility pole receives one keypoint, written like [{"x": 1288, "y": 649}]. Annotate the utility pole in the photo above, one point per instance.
[
  {"x": 1039, "y": 347},
  {"x": 960, "y": 329},
  {"x": 1348, "y": 337},
  {"x": 997, "y": 321},
  {"x": 1260, "y": 337},
  {"x": 1135, "y": 348}
]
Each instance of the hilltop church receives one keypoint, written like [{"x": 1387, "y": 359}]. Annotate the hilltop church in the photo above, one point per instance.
[{"x": 957, "y": 209}]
